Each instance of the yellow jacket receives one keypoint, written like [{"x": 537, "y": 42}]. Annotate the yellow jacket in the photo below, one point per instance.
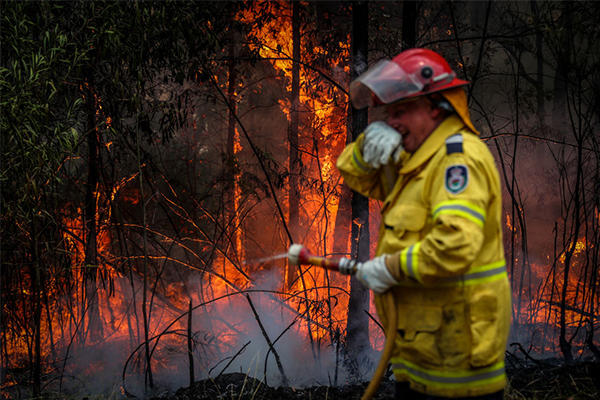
[{"x": 441, "y": 222}]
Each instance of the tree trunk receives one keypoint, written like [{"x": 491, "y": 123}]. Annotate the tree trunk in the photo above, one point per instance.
[
  {"x": 145, "y": 311},
  {"x": 231, "y": 221},
  {"x": 357, "y": 329},
  {"x": 559, "y": 122},
  {"x": 90, "y": 299},
  {"x": 341, "y": 235},
  {"x": 294, "y": 159},
  {"x": 409, "y": 24},
  {"x": 190, "y": 345},
  {"x": 559, "y": 107},
  {"x": 37, "y": 316},
  {"x": 539, "y": 54}
]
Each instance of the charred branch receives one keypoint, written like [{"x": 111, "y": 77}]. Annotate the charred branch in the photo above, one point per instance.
[{"x": 284, "y": 378}]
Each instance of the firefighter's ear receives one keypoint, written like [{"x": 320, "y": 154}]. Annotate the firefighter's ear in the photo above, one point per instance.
[
  {"x": 439, "y": 106},
  {"x": 435, "y": 112}
]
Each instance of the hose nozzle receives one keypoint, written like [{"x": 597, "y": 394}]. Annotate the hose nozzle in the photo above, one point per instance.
[{"x": 298, "y": 254}]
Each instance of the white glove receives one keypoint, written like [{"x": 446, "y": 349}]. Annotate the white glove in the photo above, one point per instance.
[
  {"x": 375, "y": 275},
  {"x": 380, "y": 141}
]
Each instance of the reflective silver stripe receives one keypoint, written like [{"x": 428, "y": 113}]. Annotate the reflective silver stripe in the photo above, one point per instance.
[
  {"x": 482, "y": 274},
  {"x": 475, "y": 377},
  {"x": 457, "y": 207},
  {"x": 475, "y": 275},
  {"x": 454, "y": 144},
  {"x": 359, "y": 163},
  {"x": 409, "y": 261},
  {"x": 456, "y": 138}
]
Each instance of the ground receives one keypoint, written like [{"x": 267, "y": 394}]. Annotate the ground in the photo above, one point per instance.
[{"x": 542, "y": 381}]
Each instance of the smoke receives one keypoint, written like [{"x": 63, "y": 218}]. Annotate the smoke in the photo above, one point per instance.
[
  {"x": 360, "y": 63},
  {"x": 291, "y": 352}
]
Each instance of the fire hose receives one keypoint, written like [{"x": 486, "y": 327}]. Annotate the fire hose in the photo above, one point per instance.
[{"x": 298, "y": 255}]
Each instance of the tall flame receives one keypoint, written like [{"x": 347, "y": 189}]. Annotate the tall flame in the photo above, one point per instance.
[{"x": 322, "y": 132}]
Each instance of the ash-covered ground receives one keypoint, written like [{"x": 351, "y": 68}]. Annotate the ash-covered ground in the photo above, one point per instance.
[
  {"x": 547, "y": 380},
  {"x": 242, "y": 387}
]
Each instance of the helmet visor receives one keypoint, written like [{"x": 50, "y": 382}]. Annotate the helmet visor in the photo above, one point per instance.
[{"x": 386, "y": 80}]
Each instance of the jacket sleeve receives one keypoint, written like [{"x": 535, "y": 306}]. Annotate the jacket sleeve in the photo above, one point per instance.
[
  {"x": 459, "y": 193},
  {"x": 359, "y": 176}
]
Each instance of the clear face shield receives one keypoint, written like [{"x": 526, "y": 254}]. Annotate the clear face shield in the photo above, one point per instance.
[
  {"x": 390, "y": 83},
  {"x": 387, "y": 81}
]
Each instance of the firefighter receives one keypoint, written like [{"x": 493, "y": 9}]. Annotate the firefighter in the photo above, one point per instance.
[{"x": 440, "y": 252}]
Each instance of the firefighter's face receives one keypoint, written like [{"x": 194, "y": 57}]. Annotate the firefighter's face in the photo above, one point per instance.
[{"x": 414, "y": 119}]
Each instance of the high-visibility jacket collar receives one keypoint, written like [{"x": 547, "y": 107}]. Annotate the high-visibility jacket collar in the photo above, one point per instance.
[{"x": 434, "y": 141}]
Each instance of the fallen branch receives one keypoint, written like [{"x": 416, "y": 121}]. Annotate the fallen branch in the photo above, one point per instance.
[
  {"x": 570, "y": 308},
  {"x": 232, "y": 358},
  {"x": 285, "y": 381},
  {"x": 279, "y": 337},
  {"x": 526, "y": 353}
]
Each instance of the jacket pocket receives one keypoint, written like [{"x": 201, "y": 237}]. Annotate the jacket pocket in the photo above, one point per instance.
[
  {"x": 404, "y": 224},
  {"x": 417, "y": 329},
  {"x": 487, "y": 338},
  {"x": 454, "y": 336}
]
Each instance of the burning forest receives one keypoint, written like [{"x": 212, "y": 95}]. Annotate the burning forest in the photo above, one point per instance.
[{"x": 160, "y": 158}]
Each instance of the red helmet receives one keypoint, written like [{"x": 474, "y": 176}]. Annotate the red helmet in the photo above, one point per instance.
[{"x": 412, "y": 73}]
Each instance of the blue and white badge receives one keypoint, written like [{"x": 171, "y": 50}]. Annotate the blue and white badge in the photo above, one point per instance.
[{"x": 456, "y": 178}]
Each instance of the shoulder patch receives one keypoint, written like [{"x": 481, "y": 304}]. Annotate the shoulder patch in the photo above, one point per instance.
[
  {"x": 456, "y": 178},
  {"x": 454, "y": 144}
]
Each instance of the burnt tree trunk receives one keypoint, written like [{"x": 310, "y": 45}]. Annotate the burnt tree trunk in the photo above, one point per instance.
[
  {"x": 357, "y": 330},
  {"x": 342, "y": 221},
  {"x": 409, "y": 24},
  {"x": 560, "y": 124},
  {"x": 90, "y": 300},
  {"x": 145, "y": 306},
  {"x": 559, "y": 94},
  {"x": 36, "y": 286},
  {"x": 190, "y": 345},
  {"x": 294, "y": 159},
  {"x": 230, "y": 222},
  {"x": 539, "y": 55}
]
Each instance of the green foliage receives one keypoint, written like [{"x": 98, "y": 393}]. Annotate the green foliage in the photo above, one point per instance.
[
  {"x": 55, "y": 53},
  {"x": 74, "y": 76},
  {"x": 39, "y": 110}
]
